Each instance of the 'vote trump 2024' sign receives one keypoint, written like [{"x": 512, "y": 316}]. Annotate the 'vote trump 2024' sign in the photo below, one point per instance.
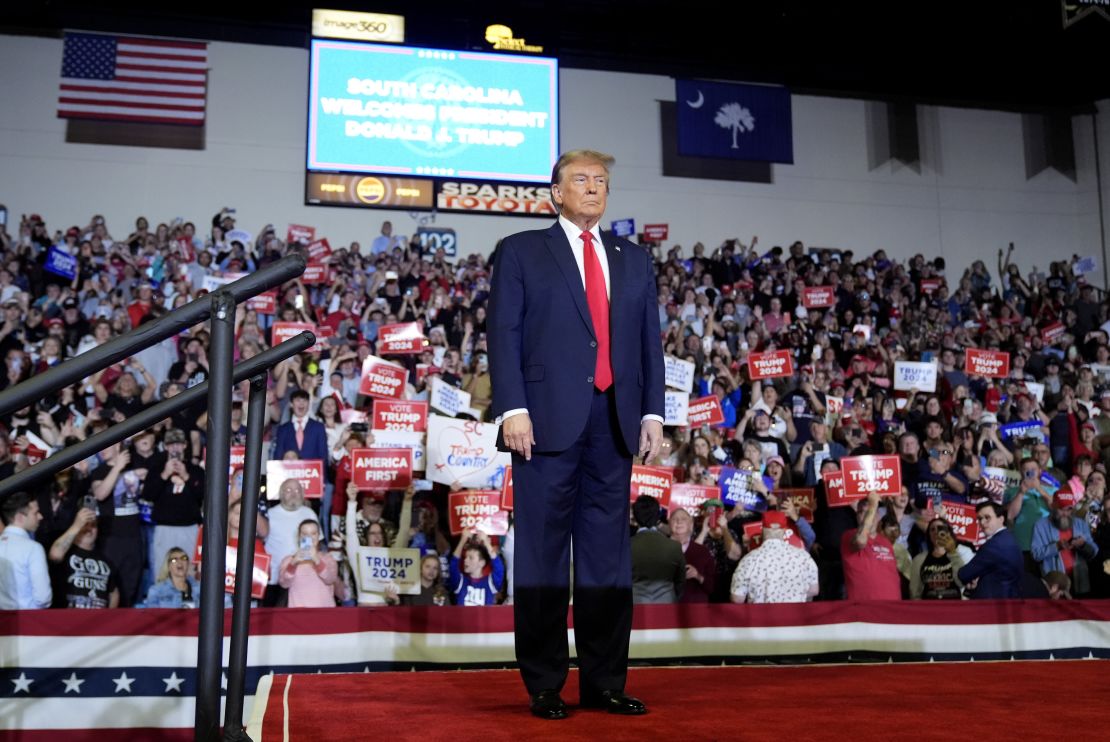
[
  {"x": 991, "y": 363},
  {"x": 866, "y": 474},
  {"x": 770, "y": 365}
]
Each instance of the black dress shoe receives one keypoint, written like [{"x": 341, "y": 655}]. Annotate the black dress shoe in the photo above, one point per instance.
[
  {"x": 548, "y": 705},
  {"x": 615, "y": 702}
]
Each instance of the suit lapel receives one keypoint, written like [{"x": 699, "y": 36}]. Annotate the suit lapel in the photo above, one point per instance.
[
  {"x": 616, "y": 276},
  {"x": 561, "y": 251}
]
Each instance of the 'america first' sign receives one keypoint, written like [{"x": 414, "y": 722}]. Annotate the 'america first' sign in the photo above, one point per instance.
[
  {"x": 705, "y": 411},
  {"x": 381, "y": 468},
  {"x": 654, "y": 481}
]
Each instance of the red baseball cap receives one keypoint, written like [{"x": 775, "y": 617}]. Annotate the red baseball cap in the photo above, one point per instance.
[
  {"x": 1064, "y": 498},
  {"x": 774, "y": 518}
]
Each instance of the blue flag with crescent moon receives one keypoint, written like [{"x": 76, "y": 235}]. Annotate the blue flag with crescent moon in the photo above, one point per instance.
[{"x": 734, "y": 121}]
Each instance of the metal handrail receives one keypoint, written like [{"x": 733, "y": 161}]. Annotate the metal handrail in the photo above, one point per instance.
[
  {"x": 150, "y": 416},
  {"x": 126, "y": 345}
]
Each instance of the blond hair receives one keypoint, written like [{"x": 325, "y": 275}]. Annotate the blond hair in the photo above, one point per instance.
[
  {"x": 164, "y": 570},
  {"x": 576, "y": 155}
]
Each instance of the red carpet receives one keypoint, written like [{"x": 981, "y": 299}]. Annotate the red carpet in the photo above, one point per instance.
[{"x": 941, "y": 701}]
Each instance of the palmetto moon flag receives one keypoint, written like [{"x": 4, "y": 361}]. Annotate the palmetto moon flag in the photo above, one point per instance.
[{"x": 734, "y": 121}]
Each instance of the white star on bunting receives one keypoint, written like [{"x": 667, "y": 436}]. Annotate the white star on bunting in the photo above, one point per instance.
[
  {"x": 123, "y": 682},
  {"x": 173, "y": 683},
  {"x": 22, "y": 684},
  {"x": 73, "y": 683}
]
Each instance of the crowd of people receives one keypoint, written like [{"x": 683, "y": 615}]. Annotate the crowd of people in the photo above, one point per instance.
[{"x": 1027, "y": 450}]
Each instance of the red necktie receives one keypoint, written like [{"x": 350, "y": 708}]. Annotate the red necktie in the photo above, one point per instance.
[
  {"x": 599, "y": 312},
  {"x": 300, "y": 433}
]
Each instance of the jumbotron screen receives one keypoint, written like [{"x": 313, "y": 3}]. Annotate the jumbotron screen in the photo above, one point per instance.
[{"x": 431, "y": 113}]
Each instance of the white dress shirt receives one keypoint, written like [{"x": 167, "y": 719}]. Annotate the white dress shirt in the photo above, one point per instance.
[
  {"x": 24, "y": 579},
  {"x": 578, "y": 248}
]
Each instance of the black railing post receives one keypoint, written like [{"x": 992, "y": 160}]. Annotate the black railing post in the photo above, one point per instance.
[
  {"x": 218, "y": 458},
  {"x": 240, "y": 616}
]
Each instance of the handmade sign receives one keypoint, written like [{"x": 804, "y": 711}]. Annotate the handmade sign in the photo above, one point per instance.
[
  {"x": 448, "y": 398},
  {"x": 678, "y": 374},
  {"x": 464, "y": 451},
  {"x": 676, "y": 408}
]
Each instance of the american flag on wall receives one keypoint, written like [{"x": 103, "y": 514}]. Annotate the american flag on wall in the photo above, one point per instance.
[{"x": 159, "y": 81}]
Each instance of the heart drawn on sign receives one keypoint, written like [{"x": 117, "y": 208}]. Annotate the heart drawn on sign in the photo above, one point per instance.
[{"x": 461, "y": 446}]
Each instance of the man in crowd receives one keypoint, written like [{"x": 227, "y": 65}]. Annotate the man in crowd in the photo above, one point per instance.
[
  {"x": 302, "y": 435},
  {"x": 776, "y": 572},
  {"x": 83, "y": 576},
  {"x": 998, "y": 566},
  {"x": 281, "y": 541},
  {"x": 1063, "y": 543},
  {"x": 117, "y": 488},
  {"x": 24, "y": 578},
  {"x": 870, "y": 568},
  {"x": 658, "y": 565}
]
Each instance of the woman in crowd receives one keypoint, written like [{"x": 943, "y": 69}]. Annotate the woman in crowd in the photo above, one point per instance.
[
  {"x": 701, "y": 568},
  {"x": 175, "y": 586},
  {"x": 934, "y": 572},
  {"x": 309, "y": 574}
]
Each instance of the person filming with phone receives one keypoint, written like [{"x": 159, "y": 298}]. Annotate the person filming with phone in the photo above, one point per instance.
[{"x": 310, "y": 572}]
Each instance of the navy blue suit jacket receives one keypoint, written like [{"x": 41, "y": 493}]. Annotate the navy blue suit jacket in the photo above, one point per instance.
[
  {"x": 999, "y": 565},
  {"x": 315, "y": 441},
  {"x": 542, "y": 345}
]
